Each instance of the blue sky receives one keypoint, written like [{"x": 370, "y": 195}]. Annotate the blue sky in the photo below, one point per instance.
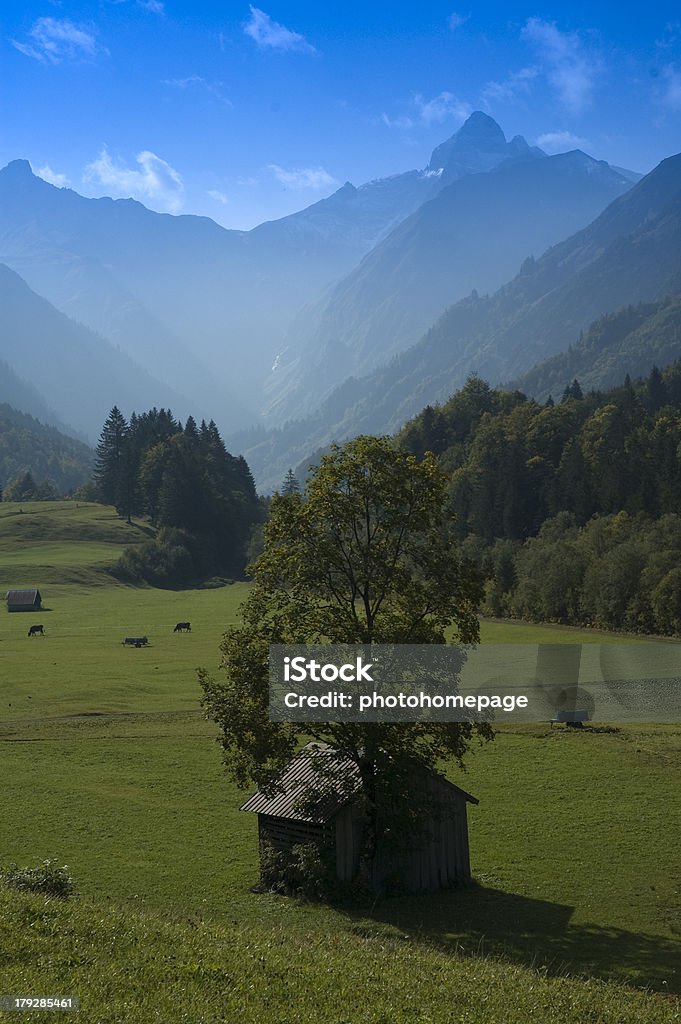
[{"x": 245, "y": 113}]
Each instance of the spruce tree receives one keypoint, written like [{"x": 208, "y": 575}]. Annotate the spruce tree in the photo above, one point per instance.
[
  {"x": 109, "y": 457},
  {"x": 290, "y": 484}
]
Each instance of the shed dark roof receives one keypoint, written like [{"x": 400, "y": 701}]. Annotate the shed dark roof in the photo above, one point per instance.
[
  {"x": 27, "y": 597},
  {"x": 334, "y": 779},
  {"x": 335, "y": 783}
]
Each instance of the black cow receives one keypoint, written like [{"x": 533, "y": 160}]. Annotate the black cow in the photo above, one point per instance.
[
  {"x": 36, "y": 631},
  {"x": 183, "y": 627}
]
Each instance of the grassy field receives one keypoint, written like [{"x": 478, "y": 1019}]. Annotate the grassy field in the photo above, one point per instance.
[{"x": 108, "y": 766}]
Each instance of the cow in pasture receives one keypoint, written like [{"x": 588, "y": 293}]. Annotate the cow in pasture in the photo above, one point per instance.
[
  {"x": 36, "y": 631},
  {"x": 183, "y": 627},
  {"x": 136, "y": 641}
]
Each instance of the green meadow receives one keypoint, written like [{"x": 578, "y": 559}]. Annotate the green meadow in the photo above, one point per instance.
[{"x": 108, "y": 766}]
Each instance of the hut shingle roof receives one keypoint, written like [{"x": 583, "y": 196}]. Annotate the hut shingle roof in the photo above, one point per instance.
[
  {"x": 27, "y": 597},
  {"x": 310, "y": 789},
  {"x": 314, "y": 791}
]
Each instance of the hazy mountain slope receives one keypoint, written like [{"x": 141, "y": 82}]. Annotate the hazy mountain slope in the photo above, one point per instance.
[
  {"x": 120, "y": 269},
  {"x": 28, "y": 446},
  {"x": 203, "y": 308},
  {"x": 630, "y": 253},
  {"x": 82, "y": 374},
  {"x": 474, "y": 234},
  {"x": 629, "y": 341},
  {"x": 18, "y": 393},
  {"x": 199, "y": 305}
]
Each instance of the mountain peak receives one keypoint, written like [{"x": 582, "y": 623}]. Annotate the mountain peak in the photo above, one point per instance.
[
  {"x": 479, "y": 145},
  {"x": 481, "y": 129},
  {"x": 18, "y": 170}
]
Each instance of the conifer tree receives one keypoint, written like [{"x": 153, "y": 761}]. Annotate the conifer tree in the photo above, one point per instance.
[
  {"x": 109, "y": 457},
  {"x": 290, "y": 484}
]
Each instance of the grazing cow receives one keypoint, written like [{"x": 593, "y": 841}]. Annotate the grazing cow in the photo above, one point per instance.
[
  {"x": 136, "y": 641},
  {"x": 36, "y": 631},
  {"x": 183, "y": 627}
]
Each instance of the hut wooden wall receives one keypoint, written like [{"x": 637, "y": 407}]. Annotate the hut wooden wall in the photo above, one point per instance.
[
  {"x": 439, "y": 856},
  {"x": 283, "y": 834},
  {"x": 348, "y": 842}
]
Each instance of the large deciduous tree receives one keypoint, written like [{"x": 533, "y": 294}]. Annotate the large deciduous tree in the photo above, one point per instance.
[{"x": 365, "y": 555}]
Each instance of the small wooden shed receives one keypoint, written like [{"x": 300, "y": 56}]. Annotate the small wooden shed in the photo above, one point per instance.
[
  {"x": 23, "y": 600},
  {"x": 436, "y": 858}
]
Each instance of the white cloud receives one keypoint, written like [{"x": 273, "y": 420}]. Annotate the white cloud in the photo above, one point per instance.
[
  {"x": 671, "y": 97},
  {"x": 196, "y": 81},
  {"x": 155, "y": 181},
  {"x": 218, "y": 196},
  {"x": 570, "y": 70},
  {"x": 267, "y": 32},
  {"x": 53, "y": 40},
  {"x": 456, "y": 20},
  {"x": 516, "y": 84},
  {"x": 54, "y": 178},
  {"x": 398, "y": 122},
  {"x": 303, "y": 178},
  {"x": 560, "y": 142},
  {"x": 444, "y": 107},
  {"x": 155, "y": 6}
]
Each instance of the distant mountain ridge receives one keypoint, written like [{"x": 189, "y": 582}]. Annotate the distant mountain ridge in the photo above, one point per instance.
[
  {"x": 196, "y": 304},
  {"x": 474, "y": 234},
  {"x": 200, "y": 307},
  {"x": 81, "y": 372},
  {"x": 630, "y": 253},
  {"x": 205, "y": 312},
  {"x": 478, "y": 146}
]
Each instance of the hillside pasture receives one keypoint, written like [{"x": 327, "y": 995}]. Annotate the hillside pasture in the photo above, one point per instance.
[
  {"x": 108, "y": 765},
  {"x": 80, "y": 666}
]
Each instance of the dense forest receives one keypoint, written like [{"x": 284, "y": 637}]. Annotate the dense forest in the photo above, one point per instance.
[
  {"x": 37, "y": 461},
  {"x": 629, "y": 340},
  {"x": 570, "y": 508},
  {"x": 201, "y": 499}
]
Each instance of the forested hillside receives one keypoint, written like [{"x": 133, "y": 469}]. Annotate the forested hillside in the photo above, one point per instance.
[
  {"x": 628, "y": 341},
  {"x": 571, "y": 509},
  {"x": 28, "y": 446},
  {"x": 201, "y": 499}
]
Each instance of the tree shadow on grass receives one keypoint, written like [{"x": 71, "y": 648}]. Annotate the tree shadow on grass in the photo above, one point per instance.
[{"x": 477, "y": 920}]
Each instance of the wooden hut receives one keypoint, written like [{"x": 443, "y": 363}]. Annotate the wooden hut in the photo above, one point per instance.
[
  {"x": 23, "y": 600},
  {"x": 318, "y": 802}
]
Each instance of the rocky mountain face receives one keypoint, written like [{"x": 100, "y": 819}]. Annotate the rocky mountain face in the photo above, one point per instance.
[
  {"x": 473, "y": 235},
  {"x": 478, "y": 146},
  {"x": 630, "y": 253}
]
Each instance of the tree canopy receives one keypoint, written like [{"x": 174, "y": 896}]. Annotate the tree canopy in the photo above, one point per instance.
[
  {"x": 365, "y": 555},
  {"x": 201, "y": 498}
]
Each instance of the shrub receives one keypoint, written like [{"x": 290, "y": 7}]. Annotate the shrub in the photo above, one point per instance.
[
  {"x": 47, "y": 878},
  {"x": 303, "y": 872},
  {"x": 165, "y": 561}
]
